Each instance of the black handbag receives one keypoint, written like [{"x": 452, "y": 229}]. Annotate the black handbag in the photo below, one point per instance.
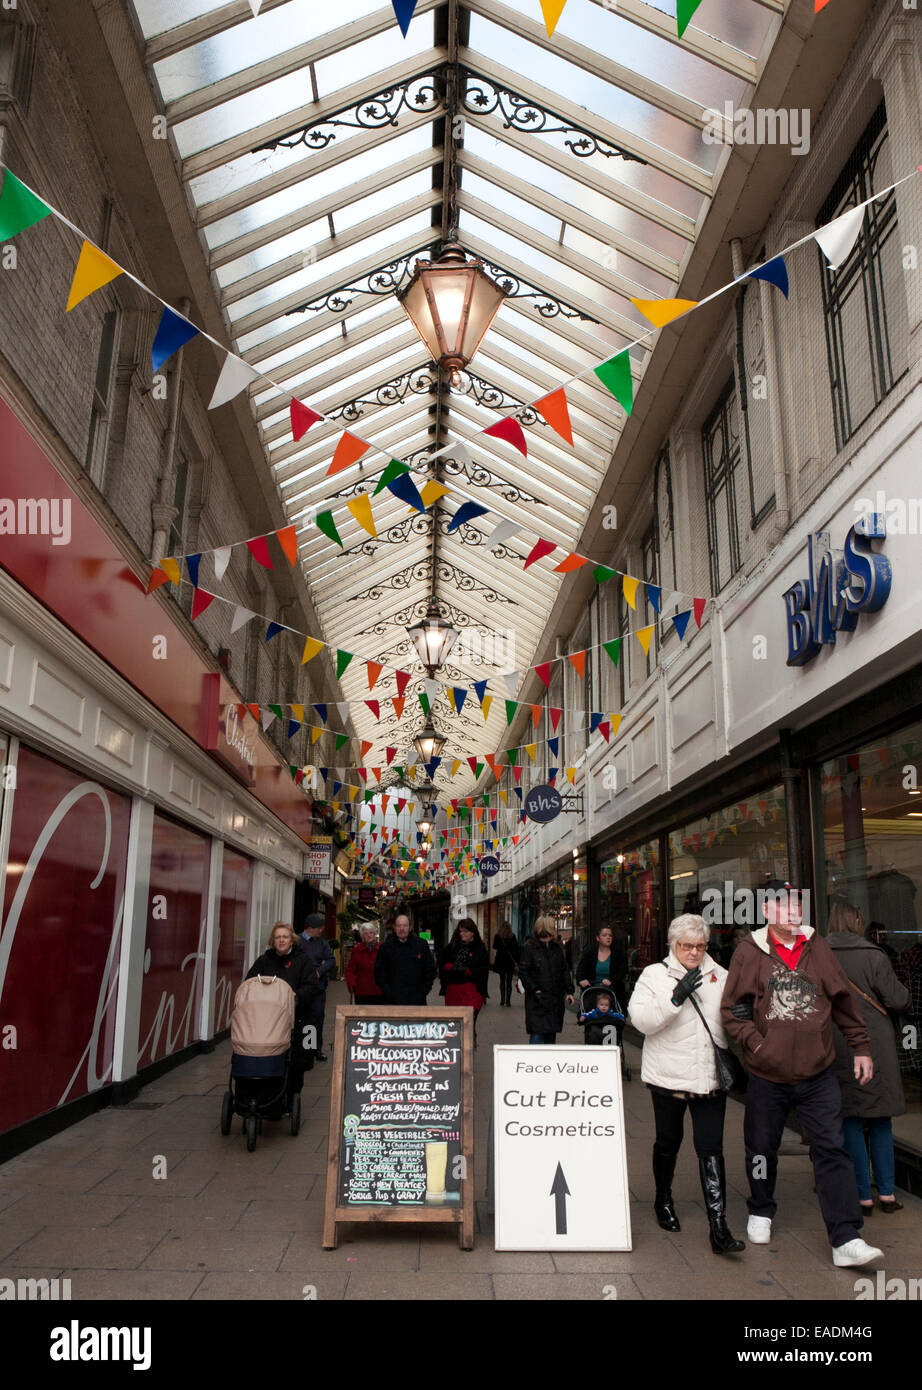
[{"x": 730, "y": 1074}]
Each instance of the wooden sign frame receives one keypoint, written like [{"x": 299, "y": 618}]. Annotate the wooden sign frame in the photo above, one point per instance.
[{"x": 461, "y": 1214}]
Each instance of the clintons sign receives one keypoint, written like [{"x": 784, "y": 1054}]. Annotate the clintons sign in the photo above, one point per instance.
[{"x": 839, "y": 587}]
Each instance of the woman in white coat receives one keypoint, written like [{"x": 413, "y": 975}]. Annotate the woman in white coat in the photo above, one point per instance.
[{"x": 680, "y": 1069}]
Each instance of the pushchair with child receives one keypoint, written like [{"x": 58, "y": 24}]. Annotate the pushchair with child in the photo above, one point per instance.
[
  {"x": 597, "y": 1022},
  {"x": 261, "y": 1022}
]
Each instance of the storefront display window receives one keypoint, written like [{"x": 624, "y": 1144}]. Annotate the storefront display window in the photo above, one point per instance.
[
  {"x": 630, "y": 905},
  {"x": 869, "y": 839},
  {"x": 232, "y": 933}
]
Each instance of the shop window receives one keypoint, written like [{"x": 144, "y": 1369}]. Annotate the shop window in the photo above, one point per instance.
[
  {"x": 864, "y": 300},
  {"x": 232, "y": 933},
  {"x": 100, "y": 411},
  {"x": 629, "y": 883},
  {"x": 720, "y": 440}
]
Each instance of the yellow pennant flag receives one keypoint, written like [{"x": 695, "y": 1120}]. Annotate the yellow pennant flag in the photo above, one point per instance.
[
  {"x": 430, "y": 493},
  {"x": 456, "y": 763},
  {"x": 335, "y": 805},
  {"x": 297, "y": 712},
  {"x": 643, "y": 637},
  {"x": 663, "y": 311},
  {"x": 316, "y": 732},
  {"x": 412, "y": 807},
  {"x": 94, "y": 269},
  {"x": 353, "y": 793},
  {"x": 311, "y": 648},
  {"x": 615, "y": 721},
  {"x": 571, "y": 776},
  {"x": 552, "y": 10},
  {"x": 487, "y": 702},
  {"x": 360, "y": 507},
  {"x": 629, "y": 586},
  {"x": 531, "y": 749},
  {"x": 171, "y": 567},
  {"x": 450, "y": 696},
  {"x": 503, "y": 797}
]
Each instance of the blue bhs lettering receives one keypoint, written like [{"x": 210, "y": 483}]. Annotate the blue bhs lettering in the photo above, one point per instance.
[{"x": 839, "y": 587}]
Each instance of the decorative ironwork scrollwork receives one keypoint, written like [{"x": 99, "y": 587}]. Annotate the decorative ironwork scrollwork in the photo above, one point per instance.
[
  {"x": 386, "y": 279},
  {"x": 549, "y": 306},
  {"x": 424, "y": 93}
]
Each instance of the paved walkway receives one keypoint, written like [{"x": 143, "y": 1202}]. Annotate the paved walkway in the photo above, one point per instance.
[{"x": 225, "y": 1224}]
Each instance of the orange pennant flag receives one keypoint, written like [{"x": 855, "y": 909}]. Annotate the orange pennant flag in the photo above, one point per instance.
[
  {"x": 578, "y": 659},
  {"x": 374, "y": 671},
  {"x": 536, "y": 715},
  {"x": 572, "y": 562},
  {"x": 348, "y": 451},
  {"x": 288, "y": 540},
  {"x": 556, "y": 412},
  {"x": 366, "y": 747},
  {"x": 398, "y": 701}
]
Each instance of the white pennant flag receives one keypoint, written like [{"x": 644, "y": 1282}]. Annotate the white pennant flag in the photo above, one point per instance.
[
  {"x": 266, "y": 717},
  {"x": 837, "y": 238},
  {"x": 343, "y": 707},
  {"x": 241, "y": 616},
  {"x": 221, "y": 560},
  {"x": 432, "y": 689},
  {"x": 235, "y": 375},
  {"x": 512, "y": 683},
  {"x": 503, "y": 532},
  {"x": 255, "y": 6}
]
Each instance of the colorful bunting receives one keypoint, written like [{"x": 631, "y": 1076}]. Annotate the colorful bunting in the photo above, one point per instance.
[
  {"x": 374, "y": 671},
  {"x": 431, "y": 492},
  {"x": 342, "y": 662},
  {"x": 837, "y": 239},
  {"x": 272, "y": 631},
  {"x": 613, "y": 649},
  {"x": 654, "y": 594},
  {"x": 684, "y": 11},
  {"x": 680, "y": 623},
  {"x": 511, "y": 431},
  {"x": 360, "y": 507},
  {"x": 775, "y": 272},
  {"x": 201, "y": 600},
  {"x": 571, "y": 563},
  {"x": 644, "y": 636},
  {"x": 259, "y": 549},
  {"x": 543, "y": 672},
  {"x": 311, "y": 647},
  {"x": 173, "y": 332},
  {"x": 538, "y": 552},
  {"x": 328, "y": 526},
  {"x": 466, "y": 512},
  {"x": 578, "y": 661},
  {"x": 19, "y": 208},
  {"x": 236, "y": 375},
  {"x": 615, "y": 376},
  {"x": 555, "y": 411},
  {"x": 602, "y": 573},
  {"x": 192, "y": 565},
  {"x": 288, "y": 540},
  {"x": 302, "y": 417},
  {"x": 94, "y": 269},
  {"x": 699, "y": 606},
  {"x": 404, "y": 10},
  {"x": 660, "y": 312},
  {"x": 348, "y": 451},
  {"x": 629, "y": 589}
]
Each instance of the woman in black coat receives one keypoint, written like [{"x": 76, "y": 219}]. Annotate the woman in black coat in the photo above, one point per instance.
[
  {"x": 543, "y": 971},
  {"x": 287, "y": 959},
  {"x": 876, "y": 990},
  {"x": 505, "y": 962}
]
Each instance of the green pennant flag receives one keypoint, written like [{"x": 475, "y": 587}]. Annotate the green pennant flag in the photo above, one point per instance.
[
  {"x": 424, "y": 701},
  {"x": 511, "y": 708},
  {"x": 19, "y": 208},
  {"x": 392, "y": 471},
  {"x": 602, "y": 572},
  {"x": 505, "y": 838},
  {"x": 340, "y": 740},
  {"x": 328, "y": 526},
  {"x": 478, "y": 772},
  {"x": 615, "y": 376},
  {"x": 369, "y": 796},
  {"x": 512, "y": 754},
  {"x": 292, "y": 768},
  {"x": 276, "y": 710},
  {"x": 613, "y": 649},
  {"x": 399, "y": 771},
  {"x": 684, "y": 11},
  {"x": 342, "y": 661}
]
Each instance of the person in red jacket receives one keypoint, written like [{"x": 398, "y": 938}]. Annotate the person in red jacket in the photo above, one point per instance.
[
  {"x": 360, "y": 972},
  {"x": 464, "y": 969}
]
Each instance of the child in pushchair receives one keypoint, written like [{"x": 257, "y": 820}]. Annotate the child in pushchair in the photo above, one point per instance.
[{"x": 599, "y": 1011}]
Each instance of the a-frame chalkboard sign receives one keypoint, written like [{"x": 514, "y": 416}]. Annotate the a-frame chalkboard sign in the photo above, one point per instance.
[{"x": 401, "y": 1142}]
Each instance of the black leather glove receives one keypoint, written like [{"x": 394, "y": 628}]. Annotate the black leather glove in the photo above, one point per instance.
[
  {"x": 689, "y": 982},
  {"x": 743, "y": 1009}
]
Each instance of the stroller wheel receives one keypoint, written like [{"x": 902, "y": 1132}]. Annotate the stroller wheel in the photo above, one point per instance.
[
  {"x": 250, "y": 1127},
  {"x": 295, "y": 1113},
  {"x": 227, "y": 1112}
]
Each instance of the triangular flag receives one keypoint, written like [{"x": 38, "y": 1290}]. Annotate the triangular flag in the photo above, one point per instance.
[
  {"x": 348, "y": 451},
  {"x": 680, "y": 623},
  {"x": 466, "y": 512},
  {"x": 94, "y": 269},
  {"x": 538, "y": 552},
  {"x": 643, "y": 637},
  {"x": 173, "y": 332},
  {"x": 341, "y": 740},
  {"x": 255, "y": 6},
  {"x": 360, "y": 507},
  {"x": 302, "y": 417},
  {"x": 311, "y": 647},
  {"x": 543, "y": 672},
  {"x": 288, "y": 540},
  {"x": 485, "y": 707},
  {"x": 235, "y": 376},
  {"x": 629, "y": 588},
  {"x": 511, "y": 431},
  {"x": 663, "y": 311},
  {"x": 654, "y": 594},
  {"x": 480, "y": 689},
  {"x": 201, "y": 599},
  {"x": 374, "y": 671},
  {"x": 192, "y": 565},
  {"x": 504, "y": 531},
  {"x": 254, "y": 710},
  {"x": 615, "y": 720},
  {"x": 432, "y": 491},
  {"x": 393, "y": 470},
  {"x": 775, "y": 272},
  {"x": 375, "y": 708},
  {"x": 273, "y": 630},
  {"x": 19, "y": 207},
  {"x": 552, "y": 10},
  {"x": 684, "y": 11},
  {"x": 328, "y": 526},
  {"x": 571, "y": 775},
  {"x": 390, "y": 754},
  {"x": 613, "y": 649},
  {"x": 571, "y": 563},
  {"x": 398, "y": 702},
  {"x": 366, "y": 747},
  {"x": 536, "y": 712},
  {"x": 699, "y": 605},
  {"x": 554, "y": 745},
  {"x": 404, "y": 10},
  {"x": 259, "y": 549},
  {"x": 577, "y": 659},
  {"x": 221, "y": 559},
  {"x": 297, "y": 712},
  {"x": 460, "y": 695},
  {"x": 555, "y": 717},
  {"x": 512, "y": 681},
  {"x": 404, "y": 488},
  {"x": 432, "y": 688},
  {"x": 241, "y": 616},
  {"x": 556, "y": 412},
  {"x": 342, "y": 709},
  {"x": 511, "y": 709},
  {"x": 531, "y": 749},
  {"x": 266, "y": 718},
  {"x": 424, "y": 701},
  {"x": 605, "y": 730},
  {"x": 342, "y": 661},
  {"x": 838, "y": 237},
  {"x": 595, "y": 720},
  {"x": 615, "y": 376},
  {"x": 171, "y": 569},
  {"x": 602, "y": 573}
]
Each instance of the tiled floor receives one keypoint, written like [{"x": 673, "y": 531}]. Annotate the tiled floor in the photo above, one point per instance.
[{"x": 225, "y": 1224}]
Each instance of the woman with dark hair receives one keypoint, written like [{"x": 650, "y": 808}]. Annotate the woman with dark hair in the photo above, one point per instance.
[
  {"x": 505, "y": 962},
  {"x": 548, "y": 985},
  {"x": 464, "y": 969}
]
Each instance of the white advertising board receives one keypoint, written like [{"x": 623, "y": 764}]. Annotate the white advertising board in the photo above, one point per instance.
[
  {"x": 559, "y": 1156},
  {"x": 318, "y": 857}
]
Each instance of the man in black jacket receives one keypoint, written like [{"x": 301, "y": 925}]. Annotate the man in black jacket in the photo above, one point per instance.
[
  {"x": 405, "y": 968},
  {"x": 287, "y": 959},
  {"x": 320, "y": 954}
]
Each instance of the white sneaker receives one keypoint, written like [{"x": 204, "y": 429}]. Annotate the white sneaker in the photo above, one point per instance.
[
  {"x": 759, "y": 1230},
  {"x": 855, "y": 1252}
]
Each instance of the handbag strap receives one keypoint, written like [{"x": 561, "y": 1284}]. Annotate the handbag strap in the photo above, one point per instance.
[
  {"x": 873, "y": 1002},
  {"x": 693, "y": 1001}
]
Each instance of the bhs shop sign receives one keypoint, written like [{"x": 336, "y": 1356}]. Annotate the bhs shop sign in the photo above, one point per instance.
[{"x": 840, "y": 586}]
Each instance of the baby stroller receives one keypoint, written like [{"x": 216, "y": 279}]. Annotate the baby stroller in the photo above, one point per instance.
[
  {"x": 261, "y": 1022},
  {"x": 595, "y": 1022}
]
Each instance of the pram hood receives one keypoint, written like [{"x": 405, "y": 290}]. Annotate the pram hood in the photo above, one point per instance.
[
  {"x": 590, "y": 998},
  {"x": 262, "y": 1017}
]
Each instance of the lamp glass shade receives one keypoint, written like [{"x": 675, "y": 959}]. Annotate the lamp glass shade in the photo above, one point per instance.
[
  {"x": 433, "y": 639},
  {"x": 451, "y": 303},
  {"x": 428, "y": 744}
]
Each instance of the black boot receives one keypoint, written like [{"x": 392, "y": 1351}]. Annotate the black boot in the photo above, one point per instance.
[
  {"x": 714, "y": 1187},
  {"x": 663, "y": 1169}
]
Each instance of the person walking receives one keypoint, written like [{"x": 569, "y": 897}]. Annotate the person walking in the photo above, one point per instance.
[
  {"x": 877, "y": 989},
  {"x": 505, "y": 962},
  {"x": 360, "y": 972},
  {"x": 320, "y": 954},
  {"x": 674, "y": 1004},
  {"x": 285, "y": 958},
  {"x": 405, "y": 966},
  {"x": 602, "y": 963},
  {"x": 464, "y": 969},
  {"x": 784, "y": 992},
  {"x": 546, "y": 979}
]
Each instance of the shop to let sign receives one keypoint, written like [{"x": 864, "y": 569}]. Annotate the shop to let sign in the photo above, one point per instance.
[{"x": 319, "y": 857}]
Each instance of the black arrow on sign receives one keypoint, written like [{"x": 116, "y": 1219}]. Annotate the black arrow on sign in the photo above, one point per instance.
[{"x": 560, "y": 1192}]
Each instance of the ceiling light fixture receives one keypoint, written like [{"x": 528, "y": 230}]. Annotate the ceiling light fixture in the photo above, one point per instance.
[{"x": 451, "y": 302}]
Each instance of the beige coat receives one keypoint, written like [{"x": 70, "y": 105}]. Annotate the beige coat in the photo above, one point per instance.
[{"x": 677, "y": 1052}]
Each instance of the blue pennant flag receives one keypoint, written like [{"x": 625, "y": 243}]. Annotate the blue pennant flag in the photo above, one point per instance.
[
  {"x": 336, "y": 787},
  {"x": 775, "y": 272},
  {"x": 480, "y": 688},
  {"x": 172, "y": 334},
  {"x": 518, "y": 792},
  {"x": 680, "y": 623},
  {"x": 466, "y": 512},
  {"x": 551, "y": 774},
  {"x": 323, "y": 772},
  {"x": 273, "y": 630},
  {"x": 460, "y": 697},
  {"x": 432, "y": 767},
  {"x": 654, "y": 592},
  {"x": 404, "y": 10},
  {"x": 594, "y": 721},
  {"x": 406, "y": 490},
  {"x": 293, "y": 727},
  {"x": 322, "y": 711},
  {"x": 192, "y": 564},
  {"x": 554, "y": 745}
]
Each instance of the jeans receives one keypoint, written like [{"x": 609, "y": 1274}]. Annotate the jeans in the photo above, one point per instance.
[
  {"x": 880, "y": 1135},
  {"x": 819, "y": 1107},
  {"x": 543, "y": 1038},
  {"x": 505, "y": 986},
  {"x": 707, "y": 1114}
]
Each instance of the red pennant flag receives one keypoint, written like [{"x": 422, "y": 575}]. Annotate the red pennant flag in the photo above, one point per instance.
[
  {"x": 366, "y": 747},
  {"x": 299, "y": 776},
  {"x": 536, "y": 715},
  {"x": 241, "y": 712},
  {"x": 605, "y": 730},
  {"x": 578, "y": 659},
  {"x": 374, "y": 671},
  {"x": 517, "y": 772},
  {"x": 571, "y": 563},
  {"x": 556, "y": 413},
  {"x": 538, "y": 552},
  {"x": 288, "y": 540},
  {"x": 543, "y": 672},
  {"x": 555, "y": 718},
  {"x": 398, "y": 703},
  {"x": 374, "y": 707},
  {"x": 259, "y": 549},
  {"x": 348, "y": 451},
  {"x": 511, "y": 431},
  {"x": 403, "y": 680},
  {"x": 390, "y": 754},
  {"x": 254, "y": 710},
  {"x": 362, "y": 773},
  {"x": 201, "y": 600},
  {"x": 472, "y": 764},
  {"x": 454, "y": 807},
  {"x": 302, "y": 417},
  {"x": 700, "y": 604},
  {"x": 401, "y": 802},
  {"x": 158, "y": 577}
]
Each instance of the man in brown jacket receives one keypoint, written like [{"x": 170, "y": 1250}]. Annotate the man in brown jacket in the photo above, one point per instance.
[{"x": 783, "y": 994}]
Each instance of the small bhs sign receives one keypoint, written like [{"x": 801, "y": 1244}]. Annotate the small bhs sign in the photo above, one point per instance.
[{"x": 543, "y": 804}]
